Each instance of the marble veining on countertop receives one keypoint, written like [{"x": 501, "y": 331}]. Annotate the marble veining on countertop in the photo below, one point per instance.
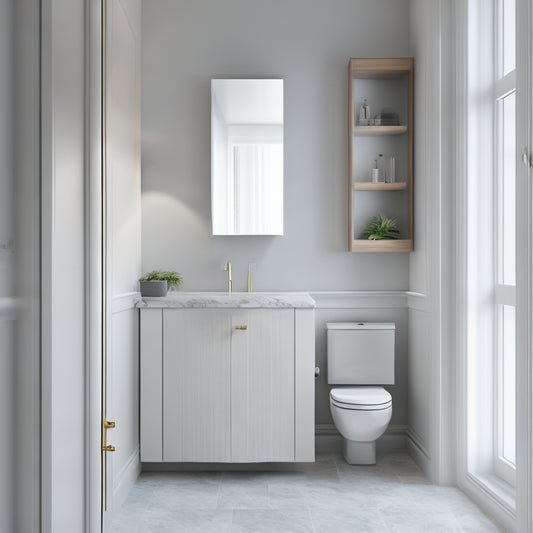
[{"x": 257, "y": 300}]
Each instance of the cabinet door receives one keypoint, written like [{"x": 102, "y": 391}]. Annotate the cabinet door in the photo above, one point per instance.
[
  {"x": 262, "y": 385},
  {"x": 196, "y": 385}
]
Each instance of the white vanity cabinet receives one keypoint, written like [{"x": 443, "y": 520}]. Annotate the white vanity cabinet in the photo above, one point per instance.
[{"x": 227, "y": 384}]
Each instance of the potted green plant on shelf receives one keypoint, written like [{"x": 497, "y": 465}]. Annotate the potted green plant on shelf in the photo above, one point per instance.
[
  {"x": 158, "y": 282},
  {"x": 381, "y": 227}
]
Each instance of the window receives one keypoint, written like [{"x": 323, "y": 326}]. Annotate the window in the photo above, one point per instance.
[
  {"x": 504, "y": 98},
  {"x": 491, "y": 251}
]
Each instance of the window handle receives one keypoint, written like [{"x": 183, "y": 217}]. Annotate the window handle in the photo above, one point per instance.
[{"x": 526, "y": 158}]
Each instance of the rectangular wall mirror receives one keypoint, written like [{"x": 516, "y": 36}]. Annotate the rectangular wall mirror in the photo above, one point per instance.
[{"x": 247, "y": 157}]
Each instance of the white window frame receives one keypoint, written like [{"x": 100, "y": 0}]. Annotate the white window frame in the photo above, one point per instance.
[
  {"x": 504, "y": 294},
  {"x": 513, "y": 509}
]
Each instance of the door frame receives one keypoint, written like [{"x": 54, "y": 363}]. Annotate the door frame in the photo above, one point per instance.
[
  {"x": 95, "y": 263},
  {"x": 70, "y": 91}
]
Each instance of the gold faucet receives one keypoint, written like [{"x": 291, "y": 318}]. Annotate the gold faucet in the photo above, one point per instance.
[
  {"x": 250, "y": 277},
  {"x": 230, "y": 282},
  {"x": 251, "y": 268}
]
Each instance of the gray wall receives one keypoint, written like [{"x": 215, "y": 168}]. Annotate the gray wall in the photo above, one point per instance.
[
  {"x": 19, "y": 265},
  {"x": 308, "y": 44},
  {"x": 7, "y": 348}
]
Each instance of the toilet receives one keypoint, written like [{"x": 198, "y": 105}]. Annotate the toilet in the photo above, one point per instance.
[{"x": 360, "y": 358}]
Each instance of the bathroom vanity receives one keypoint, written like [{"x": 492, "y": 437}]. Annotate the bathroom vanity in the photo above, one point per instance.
[{"x": 227, "y": 378}]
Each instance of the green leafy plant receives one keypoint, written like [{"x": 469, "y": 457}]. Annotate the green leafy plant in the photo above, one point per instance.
[
  {"x": 381, "y": 227},
  {"x": 173, "y": 279}
]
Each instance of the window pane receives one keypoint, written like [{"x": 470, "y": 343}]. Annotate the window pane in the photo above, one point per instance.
[
  {"x": 508, "y": 384},
  {"x": 508, "y": 36},
  {"x": 507, "y": 189}
]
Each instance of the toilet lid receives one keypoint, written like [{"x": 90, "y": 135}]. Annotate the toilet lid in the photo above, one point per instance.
[{"x": 361, "y": 395}]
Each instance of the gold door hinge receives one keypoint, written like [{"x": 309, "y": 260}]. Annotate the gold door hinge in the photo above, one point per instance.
[{"x": 105, "y": 426}]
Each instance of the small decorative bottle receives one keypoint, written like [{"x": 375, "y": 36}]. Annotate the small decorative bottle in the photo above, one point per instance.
[
  {"x": 364, "y": 113},
  {"x": 390, "y": 174},
  {"x": 376, "y": 172}
]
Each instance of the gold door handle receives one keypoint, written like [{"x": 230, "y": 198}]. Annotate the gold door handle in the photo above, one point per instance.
[
  {"x": 106, "y": 424},
  {"x": 241, "y": 327}
]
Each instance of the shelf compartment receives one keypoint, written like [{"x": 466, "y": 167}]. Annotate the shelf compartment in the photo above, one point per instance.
[
  {"x": 379, "y": 130},
  {"x": 380, "y": 186},
  {"x": 385, "y": 245}
]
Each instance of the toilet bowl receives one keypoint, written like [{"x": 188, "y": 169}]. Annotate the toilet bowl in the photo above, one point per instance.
[
  {"x": 361, "y": 415},
  {"x": 360, "y": 358}
]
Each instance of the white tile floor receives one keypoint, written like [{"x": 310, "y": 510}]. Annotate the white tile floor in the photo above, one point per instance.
[{"x": 322, "y": 497}]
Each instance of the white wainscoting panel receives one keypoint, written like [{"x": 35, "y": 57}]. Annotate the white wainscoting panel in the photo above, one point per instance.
[
  {"x": 123, "y": 399},
  {"x": 394, "y": 440},
  {"x": 418, "y": 451},
  {"x": 360, "y": 299},
  {"x": 124, "y": 302},
  {"x": 363, "y": 311},
  {"x": 419, "y": 391},
  {"x": 126, "y": 477},
  {"x": 410, "y": 311}
]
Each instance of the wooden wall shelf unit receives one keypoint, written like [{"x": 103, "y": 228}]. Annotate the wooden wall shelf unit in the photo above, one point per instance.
[{"x": 387, "y": 84}]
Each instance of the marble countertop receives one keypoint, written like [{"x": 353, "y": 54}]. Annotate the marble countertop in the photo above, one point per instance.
[{"x": 254, "y": 300}]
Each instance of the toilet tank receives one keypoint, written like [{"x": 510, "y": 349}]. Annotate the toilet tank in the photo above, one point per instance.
[{"x": 360, "y": 353}]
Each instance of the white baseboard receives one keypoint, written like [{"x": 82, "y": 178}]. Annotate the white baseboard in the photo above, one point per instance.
[
  {"x": 417, "y": 450},
  {"x": 486, "y": 491},
  {"x": 328, "y": 439},
  {"x": 126, "y": 478}
]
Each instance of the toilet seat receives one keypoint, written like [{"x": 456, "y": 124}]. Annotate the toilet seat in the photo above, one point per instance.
[{"x": 361, "y": 398}]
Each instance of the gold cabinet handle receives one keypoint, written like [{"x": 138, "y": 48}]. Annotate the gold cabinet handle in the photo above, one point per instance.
[
  {"x": 241, "y": 327},
  {"x": 106, "y": 424}
]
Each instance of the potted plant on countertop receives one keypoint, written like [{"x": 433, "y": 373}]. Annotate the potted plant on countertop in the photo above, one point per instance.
[
  {"x": 158, "y": 282},
  {"x": 381, "y": 227}
]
